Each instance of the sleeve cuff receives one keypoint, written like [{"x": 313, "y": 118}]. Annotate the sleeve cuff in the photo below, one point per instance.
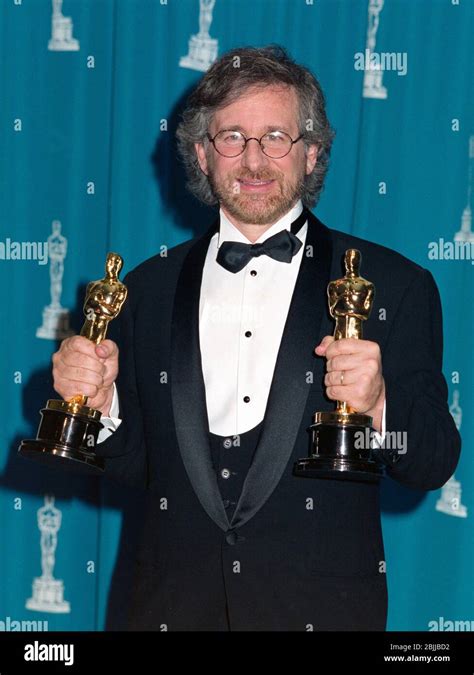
[
  {"x": 379, "y": 437},
  {"x": 112, "y": 421}
]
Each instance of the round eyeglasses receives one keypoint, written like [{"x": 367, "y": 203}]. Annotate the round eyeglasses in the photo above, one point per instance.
[{"x": 274, "y": 144}]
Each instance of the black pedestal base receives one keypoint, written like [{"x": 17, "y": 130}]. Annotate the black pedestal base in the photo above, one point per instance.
[
  {"x": 339, "y": 452},
  {"x": 67, "y": 436}
]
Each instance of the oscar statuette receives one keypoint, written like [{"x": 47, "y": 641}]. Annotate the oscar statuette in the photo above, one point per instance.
[
  {"x": 338, "y": 439},
  {"x": 68, "y": 431}
]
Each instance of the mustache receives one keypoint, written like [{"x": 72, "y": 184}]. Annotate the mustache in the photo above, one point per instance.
[{"x": 258, "y": 175}]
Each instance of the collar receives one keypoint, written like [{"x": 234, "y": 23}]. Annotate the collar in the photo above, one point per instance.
[{"x": 228, "y": 231}]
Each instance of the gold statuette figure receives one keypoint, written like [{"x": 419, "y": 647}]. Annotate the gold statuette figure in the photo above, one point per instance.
[
  {"x": 104, "y": 300},
  {"x": 350, "y": 303}
]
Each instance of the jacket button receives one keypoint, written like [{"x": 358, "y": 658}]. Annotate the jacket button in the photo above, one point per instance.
[
  {"x": 225, "y": 473},
  {"x": 231, "y": 538}
]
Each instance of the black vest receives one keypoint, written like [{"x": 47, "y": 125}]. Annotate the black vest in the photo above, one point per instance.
[{"x": 232, "y": 457}]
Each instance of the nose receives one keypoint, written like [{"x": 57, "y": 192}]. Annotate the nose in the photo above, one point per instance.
[{"x": 252, "y": 157}]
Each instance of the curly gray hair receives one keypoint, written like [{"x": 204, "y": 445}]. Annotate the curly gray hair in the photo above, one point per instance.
[{"x": 226, "y": 80}]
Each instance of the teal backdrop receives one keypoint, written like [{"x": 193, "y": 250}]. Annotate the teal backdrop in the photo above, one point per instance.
[{"x": 88, "y": 109}]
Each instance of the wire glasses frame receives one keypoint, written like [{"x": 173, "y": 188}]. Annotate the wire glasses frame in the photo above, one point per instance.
[{"x": 240, "y": 143}]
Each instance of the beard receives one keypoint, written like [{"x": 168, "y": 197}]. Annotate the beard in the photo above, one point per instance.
[{"x": 258, "y": 208}]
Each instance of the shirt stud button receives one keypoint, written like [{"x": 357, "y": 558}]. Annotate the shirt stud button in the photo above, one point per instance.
[
  {"x": 225, "y": 473},
  {"x": 246, "y": 399}
]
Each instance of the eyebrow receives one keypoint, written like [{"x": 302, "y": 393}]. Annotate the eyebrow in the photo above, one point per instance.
[{"x": 268, "y": 128}]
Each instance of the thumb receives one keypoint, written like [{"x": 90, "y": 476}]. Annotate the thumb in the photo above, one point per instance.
[
  {"x": 324, "y": 344},
  {"x": 102, "y": 351},
  {"x": 107, "y": 349}
]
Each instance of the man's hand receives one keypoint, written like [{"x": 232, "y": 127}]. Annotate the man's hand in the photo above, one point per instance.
[
  {"x": 82, "y": 367},
  {"x": 354, "y": 375}
]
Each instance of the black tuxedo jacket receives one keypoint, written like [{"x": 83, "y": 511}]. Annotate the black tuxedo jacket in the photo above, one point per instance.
[{"x": 298, "y": 554}]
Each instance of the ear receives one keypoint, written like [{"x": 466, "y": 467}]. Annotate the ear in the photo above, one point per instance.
[
  {"x": 311, "y": 157},
  {"x": 202, "y": 158}
]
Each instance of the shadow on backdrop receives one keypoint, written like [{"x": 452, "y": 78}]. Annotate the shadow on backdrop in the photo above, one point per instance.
[{"x": 184, "y": 210}]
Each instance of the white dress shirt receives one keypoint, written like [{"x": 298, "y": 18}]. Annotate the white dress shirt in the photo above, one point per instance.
[{"x": 241, "y": 320}]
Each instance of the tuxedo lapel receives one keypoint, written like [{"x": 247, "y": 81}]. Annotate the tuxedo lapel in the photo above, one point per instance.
[
  {"x": 187, "y": 384},
  {"x": 289, "y": 389}
]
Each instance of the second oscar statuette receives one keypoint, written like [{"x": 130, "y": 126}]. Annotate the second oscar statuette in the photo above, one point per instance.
[
  {"x": 68, "y": 430},
  {"x": 337, "y": 443}
]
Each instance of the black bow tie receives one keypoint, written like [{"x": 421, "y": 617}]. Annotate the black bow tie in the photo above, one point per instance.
[{"x": 234, "y": 255}]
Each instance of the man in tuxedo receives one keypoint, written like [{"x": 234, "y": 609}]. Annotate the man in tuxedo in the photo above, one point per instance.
[{"x": 226, "y": 352}]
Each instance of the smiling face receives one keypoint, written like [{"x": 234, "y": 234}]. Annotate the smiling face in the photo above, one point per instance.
[{"x": 253, "y": 188}]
